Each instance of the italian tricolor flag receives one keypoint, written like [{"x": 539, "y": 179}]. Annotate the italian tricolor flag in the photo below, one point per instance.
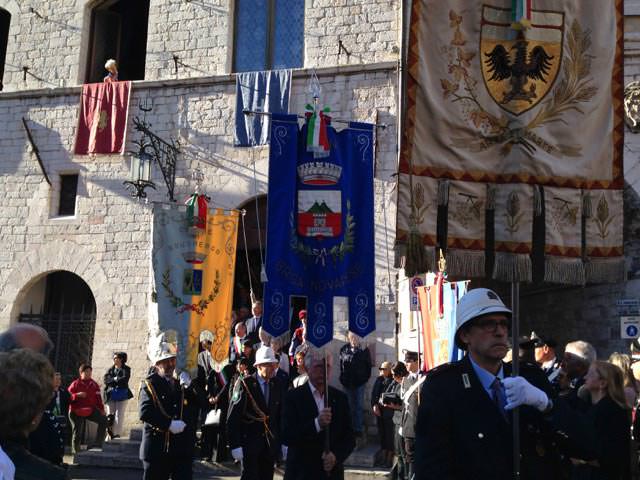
[
  {"x": 197, "y": 210},
  {"x": 317, "y": 139},
  {"x": 521, "y": 13}
]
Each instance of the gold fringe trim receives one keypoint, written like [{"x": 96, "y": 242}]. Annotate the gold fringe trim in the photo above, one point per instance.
[
  {"x": 569, "y": 271},
  {"x": 465, "y": 263},
  {"x": 512, "y": 267}
]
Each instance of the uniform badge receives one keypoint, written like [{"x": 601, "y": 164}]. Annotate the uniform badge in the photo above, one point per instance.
[{"x": 466, "y": 381}]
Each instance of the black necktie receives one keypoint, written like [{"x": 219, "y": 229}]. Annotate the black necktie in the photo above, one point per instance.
[{"x": 265, "y": 392}]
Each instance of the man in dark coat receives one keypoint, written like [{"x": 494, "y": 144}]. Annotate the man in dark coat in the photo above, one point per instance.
[
  {"x": 355, "y": 371},
  {"x": 464, "y": 427},
  {"x": 410, "y": 395},
  {"x": 253, "y": 422},
  {"x": 306, "y": 420},
  {"x": 169, "y": 409}
]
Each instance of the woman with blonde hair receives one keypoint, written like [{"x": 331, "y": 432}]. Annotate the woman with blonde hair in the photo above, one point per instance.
[
  {"x": 631, "y": 387},
  {"x": 611, "y": 419}
]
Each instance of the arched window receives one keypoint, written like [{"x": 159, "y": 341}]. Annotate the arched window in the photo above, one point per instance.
[
  {"x": 5, "y": 20},
  {"x": 118, "y": 31}
]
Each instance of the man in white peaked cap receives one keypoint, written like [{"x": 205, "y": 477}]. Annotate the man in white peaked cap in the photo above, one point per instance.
[
  {"x": 253, "y": 422},
  {"x": 169, "y": 408}
]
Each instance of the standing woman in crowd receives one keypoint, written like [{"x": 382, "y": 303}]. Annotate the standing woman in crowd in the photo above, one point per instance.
[
  {"x": 117, "y": 393},
  {"x": 631, "y": 387},
  {"x": 611, "y": 418}
]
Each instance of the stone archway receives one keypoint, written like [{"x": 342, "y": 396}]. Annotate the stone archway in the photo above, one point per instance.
[
  {"x": 63, "y": 304},
  {"x": 31, "y": 266}
]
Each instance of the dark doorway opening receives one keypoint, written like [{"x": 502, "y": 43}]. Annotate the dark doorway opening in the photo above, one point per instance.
[
  {"x": 118, "y": 31},
  {"x": 68, "y": 314},
  {"x": 248, "y": 276},
  {"x": 5, "y": 21}
]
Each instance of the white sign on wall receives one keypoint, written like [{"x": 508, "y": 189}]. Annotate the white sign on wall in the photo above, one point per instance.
[{"x": 630, "y": 327}]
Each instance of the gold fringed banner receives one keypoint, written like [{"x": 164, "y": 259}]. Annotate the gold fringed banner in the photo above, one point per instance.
[
  {"x": 466, "y": 229},
  {"x": 513, "y": 232},
  {"x": 472, "y": 115},
  {"x": 193, "y": 272},
  {"x": 563, "y": 237},
  {"x": 416, "y": 228},
  {"x": 604, "y": 243}
]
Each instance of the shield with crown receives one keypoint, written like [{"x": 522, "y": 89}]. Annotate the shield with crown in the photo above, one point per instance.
[
  {"x": 320, "y": 208},
  {"x": 520, "y": 60}
]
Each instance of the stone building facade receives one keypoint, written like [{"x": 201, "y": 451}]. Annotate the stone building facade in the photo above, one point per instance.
[{"x": 52, "y": 47}]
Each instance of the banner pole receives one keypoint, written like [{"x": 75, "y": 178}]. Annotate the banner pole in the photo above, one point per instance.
[{"x": 515, "y": 362}]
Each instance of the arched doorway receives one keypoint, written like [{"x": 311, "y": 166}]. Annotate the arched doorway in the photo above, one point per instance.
[
  {"x": 63, "y": 304},
  {"x": 255, "y": 224},
  {"x": 255, "y": 229}
]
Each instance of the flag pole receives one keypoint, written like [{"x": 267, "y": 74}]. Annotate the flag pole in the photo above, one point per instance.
[
  {"x": 515, "y": 371},
  {"x": 327, "y": 435}
]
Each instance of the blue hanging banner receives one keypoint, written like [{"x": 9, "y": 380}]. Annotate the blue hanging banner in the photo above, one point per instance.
[{"x": 320, "y": 240}]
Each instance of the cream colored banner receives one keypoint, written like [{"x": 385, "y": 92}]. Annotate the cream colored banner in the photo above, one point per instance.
[{"x": 490, "y": 103}]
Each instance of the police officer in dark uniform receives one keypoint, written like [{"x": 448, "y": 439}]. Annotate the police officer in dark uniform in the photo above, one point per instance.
[
  {"x": 464, "y": 427},
  {"x": 169, "y": 409},
  {"x": 253, "y": 422}
]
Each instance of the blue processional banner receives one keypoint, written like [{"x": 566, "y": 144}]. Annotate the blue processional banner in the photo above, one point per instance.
[{"x": 320, "y": 240}]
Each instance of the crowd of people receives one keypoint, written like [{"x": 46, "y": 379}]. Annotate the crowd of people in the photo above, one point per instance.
[{"x": 271, "y": 405}]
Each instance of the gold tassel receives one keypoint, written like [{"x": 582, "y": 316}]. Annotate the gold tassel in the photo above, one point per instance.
[{"x": 416, "y": 260}]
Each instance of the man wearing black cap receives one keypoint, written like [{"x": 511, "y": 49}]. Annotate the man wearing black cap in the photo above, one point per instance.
[
  {"x": 410, "y": 394},
  {"x": 546, "y": 356}
]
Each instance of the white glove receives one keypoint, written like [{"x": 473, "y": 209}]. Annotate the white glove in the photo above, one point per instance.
[
  {"x": 520, "y": 392},
  {"x": 185, "y": 379},
  {"x": 237, "y": 454},
  {"x": 177, "y": 426},
  {"x": 284, "y": 450}
]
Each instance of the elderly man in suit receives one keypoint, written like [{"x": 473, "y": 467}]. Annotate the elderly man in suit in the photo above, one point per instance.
[
  {"x": 309, "y": 418},
  {"x": 253, "y": 422}
]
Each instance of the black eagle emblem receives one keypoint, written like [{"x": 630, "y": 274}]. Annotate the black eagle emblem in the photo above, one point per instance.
[{"x": 534, "y": 64}]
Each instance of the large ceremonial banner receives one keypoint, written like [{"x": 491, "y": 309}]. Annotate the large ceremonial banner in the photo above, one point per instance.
[
  {"x": 509, "y": 93},
  {"x": 320, "y": 242},
  {"x": 193, "y": 272}
]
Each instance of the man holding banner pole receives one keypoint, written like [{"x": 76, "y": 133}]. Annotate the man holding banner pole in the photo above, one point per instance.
[{"x": 465, "y": 415}]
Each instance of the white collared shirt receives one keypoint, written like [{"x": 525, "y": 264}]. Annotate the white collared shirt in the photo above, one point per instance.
[
  {"x": 318, "y": 396},
  {"x": 549, "y": 363}
]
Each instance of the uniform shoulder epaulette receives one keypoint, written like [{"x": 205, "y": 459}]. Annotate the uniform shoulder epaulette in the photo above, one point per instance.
[{"x": 440, "y": 369}]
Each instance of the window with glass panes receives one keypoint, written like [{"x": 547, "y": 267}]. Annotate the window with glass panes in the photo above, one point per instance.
[{"x": 269, "y": 35}]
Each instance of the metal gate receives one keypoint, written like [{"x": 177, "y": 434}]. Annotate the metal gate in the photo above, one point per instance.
[{"x": 72, "y": 337}]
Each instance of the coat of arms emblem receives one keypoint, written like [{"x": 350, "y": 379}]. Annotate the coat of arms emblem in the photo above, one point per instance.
[
  {"x": 535, "y": 63},
  {"x": 520, "y": 65},
  {"x": 319, "y": 211}
]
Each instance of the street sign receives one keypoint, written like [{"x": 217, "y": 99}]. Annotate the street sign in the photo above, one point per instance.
[
  {"x": 630, "y": 327},
  {"x": 415, "y": 283}
]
